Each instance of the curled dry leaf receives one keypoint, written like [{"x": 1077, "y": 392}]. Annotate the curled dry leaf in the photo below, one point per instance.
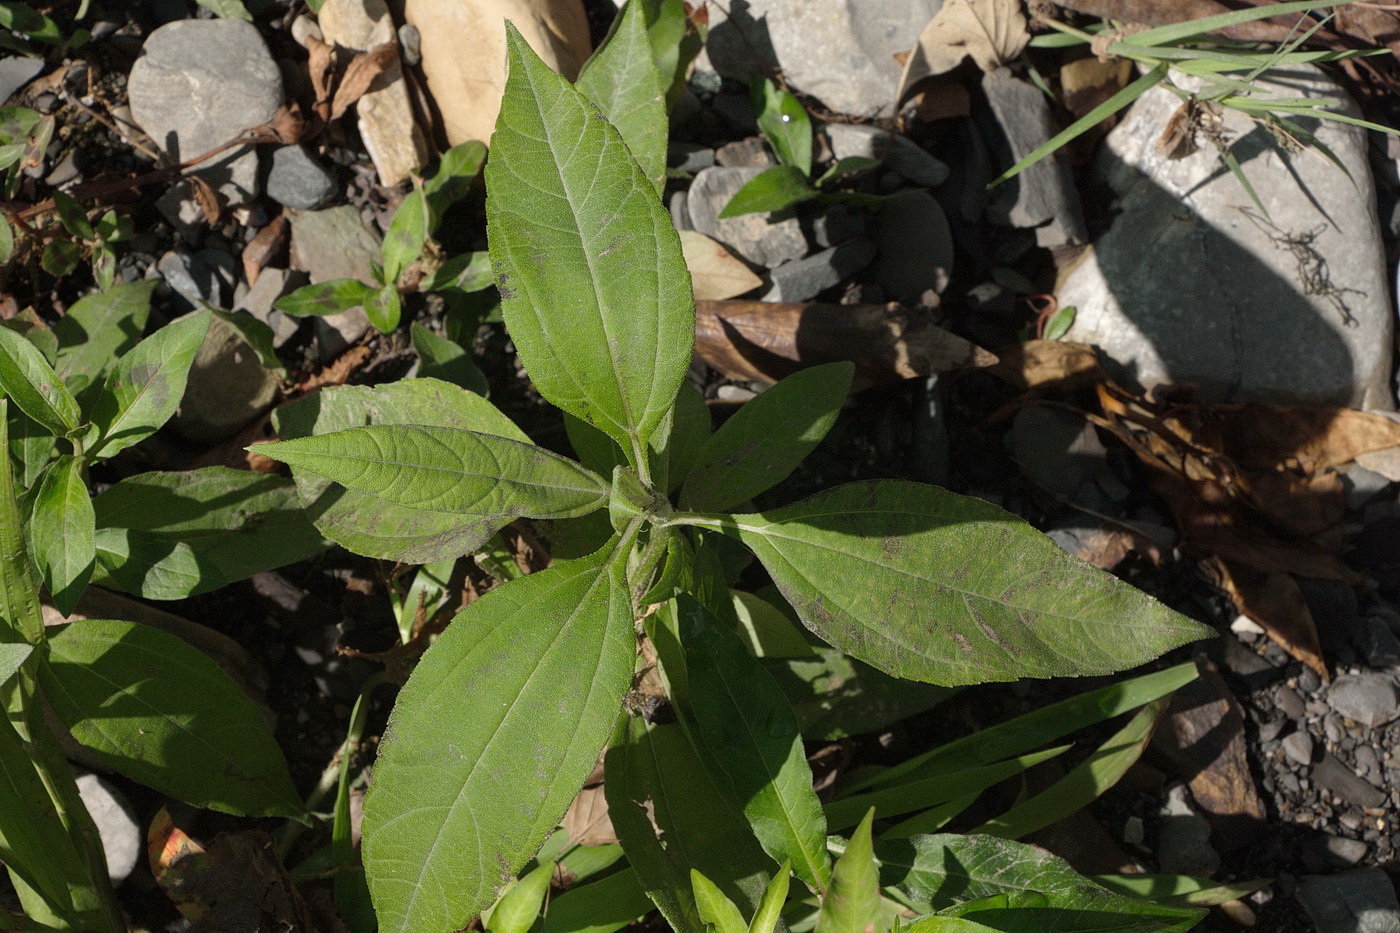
[
  {"x": 361, "y": 74},
  {"x": 587, "y": 821},
  {"x": 993, "y": 32},
  {"x": 264, "y": 248},
  {"x": 715, "y": 272},
  {"x": 1047, "y": 364},
  {"x": 765, "y": 341},
  {"x": 1275, "y": 602}
]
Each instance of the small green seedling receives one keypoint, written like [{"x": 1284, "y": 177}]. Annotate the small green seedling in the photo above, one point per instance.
[
  {"x": 785, "y": 122},
  {"x": 505, "y": 715}
]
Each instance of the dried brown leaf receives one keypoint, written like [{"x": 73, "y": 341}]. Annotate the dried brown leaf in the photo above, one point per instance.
[
  {"x": 587, "y": 821},
  {"x": 715, "y": 272},
  {"x": 1274, "y": 601},
  {"x": 361, "y": 74},
  {"x": 1266, "y": 436},
  {"x": 1047, "y": 364},
  {"x": 265, "y": 247},
  {"x": 765, "y": 341},
  {"x": 993, "y": 32},
  {"x": 320, "y": 66},
  {"x": 211, "y": 204}
]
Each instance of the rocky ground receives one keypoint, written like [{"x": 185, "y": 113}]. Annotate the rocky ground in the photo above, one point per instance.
[{"x": 1282, "y": 762}]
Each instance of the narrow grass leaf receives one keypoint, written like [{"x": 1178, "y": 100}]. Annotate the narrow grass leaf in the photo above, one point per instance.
[
  {"x": 773, "y": 189},
  {"x": 438, "y": 469},
  {"x": 98, "y": 329},
  {"x": 30, "y": 382},
  {"x": 742, "y": 717},
  {"x": 225, "y": 525},
  {"x": 926, "y": 584},
  {"x": 593, "y": 283},
  {"x": 936, "y": 872},
  {"x": 61, "y": 532},
  {"x": 372, "y": 526},
  {"x": 162, "y": 713},
  {"x": 853, "y": 900},
  {"x": 766, "y": 439},
  {"x": 145, "y": 387},
  {"x": 1177, "y": 32},
  {"x": 460, "y": 802},
  {"x": 622, "y": 80},
  {"x": 1085, "y": 783}
]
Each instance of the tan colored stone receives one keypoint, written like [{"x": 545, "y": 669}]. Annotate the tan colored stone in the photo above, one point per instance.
[
  {"x": 464, "y": 53},
  {"x": 386, "y": 122}
]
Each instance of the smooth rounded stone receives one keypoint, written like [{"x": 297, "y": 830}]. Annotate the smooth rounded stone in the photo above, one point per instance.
[
  {"x": 1370, "y": 699},
  {"x": 1358, "y": 901},
  {"x": 899, "y": 152},
  {"x": 1298, "y": 746},
  {"x": 116, "y": 822},
  {"x": 803, "y": 279},
  {"x": 198, "y": 84},
  {"x": 751, "y": 152},
  {"x": 1192, "y": 285},
  {"x": 1332, "y": 775},
  {"x": 1270, "y": 730},
  {"x": 1183, "y": 838},
  {"x": 1308, "y": 681},
  {"x": 298, "y": 180},
  {"x": 1325, "y": 851},
  {"x": 838, "y": 51},
  {"x": 916, "y": 246},
  {"x": 1044, "y": 195},
  {"x": 15, "y": 72},
  {"x": 752, "y": 236},
  {"x": 258, "y": 301},
  {"x": 1367, "y": 762},
  {"x": 1289, "y": 703},
  {"x": 190, "y": 278},
  {"x": 228, "y": 387},
  {"x": 688, "y": 157}
]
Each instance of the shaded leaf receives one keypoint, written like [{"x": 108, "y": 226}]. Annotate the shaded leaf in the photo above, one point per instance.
[
  {"x": 60, "y": 532},
  {"x": 615, "y": 282},
  {"x": 950, "y": 589},
  {"x": 175, "y": 535},
  {"x": 162, "y": 713},
  {"x": 20, "y": 617},
  {"x": 601, "y": 906},
  {"x": 440, "y": 358},
  {"x": 765, "y": 440},
  {"x": 773, "y": 189},
  {"x": 835, "y": 696},
  {"x": 621, "y": 78},
  {"x": 443, "y": 828},
  {"x": 993, "y": 32},
  {"x": 36, "y": 390},
  {"x": 853, "y": 900},
  {"x": 97, "y": 329}
]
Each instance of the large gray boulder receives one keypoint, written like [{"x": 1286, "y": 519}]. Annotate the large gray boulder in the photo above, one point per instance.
[{"x": 1193, "y": 284}]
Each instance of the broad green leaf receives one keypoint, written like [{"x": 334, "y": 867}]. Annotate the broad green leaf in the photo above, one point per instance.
[
  {"x": 594, "y": 287},
  {"x": 325, "y": 298},
  {"x": 743, "y": 719},
  {"x": 621, "y": 78},
  {"x": 437, "y": 469},
  {"x": 937, "y": 924},
  {"x": 408, "y": 231},
  {"x": 594, "y": 449},
  {"x": 60, "y": 532},
  {"x": 600, "y": 906},
  {"x": 655, "y": 775},
  {"x": 97, "y": 329},
  {"x": 1085, "y": 783},
  {"x": 12, "y": 655},
  {"x": 771, "y": 190},
  {"x": 770, "y": 909},
  {"x": 376, "y": 527},
  {"x": 767, "y": 631},
  {"x": 926, "y": 584},
  {"x": 453, "y": 179},
  {"x": 225, "y": 525},
  {"x": 518, "y": 907},
  {"x": 440, "y": 358},
  {"x": 842, "y": 168},
  {"x": 21, "y": 620},
  {"x": 766, "y": 439},
  {"x": 853, "y": 900},
  {"x": 60, "y": 257},
  {"x": 145, "y": 387},
  {"x": 690, "y": 430},
  {"x": 72, "y": 215},
  {"x": 7, "y": 240},
  {"x": 161, "y": 712},
  {"x": 674, "y": 44},
  {"x": 533, "y": 674},
  {"x": 28, "y": 380},
  {"x": 935, "y": 872},
  {"x": 835, "y": 696},
  {"x": 384, "y": 309},
  {"x": 715, "y": 909},
  {"x": 1038, "y": 727},
  {"x": 786, "y": 124},
  {"x": 468, "y": 272}
]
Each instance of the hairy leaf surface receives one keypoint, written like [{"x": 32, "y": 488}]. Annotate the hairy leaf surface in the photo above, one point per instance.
[
  {"x": 60, "y": 532},
  {"x": 533, "y": 674},
  {"x": 926, "y": 584},
  {"x": 622, "y": 80},
  {"x": 145, "y": 387},
  {"x": 161, "y": 712},
  {"x": 98, "y": 329},
  {"x": 30, "y": 382},
  {"x": 593, "y": 283}
]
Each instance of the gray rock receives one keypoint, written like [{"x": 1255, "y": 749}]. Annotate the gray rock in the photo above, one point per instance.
[
  {"x": 271, "y": 285},
  {"x": 1043, "y": 196},
  {"x": 1325, "y": 851},
  {"x": 198, "y": 84},
  {"x": 15, "y": 72},
  {"x": 116, "y": 822},
  {"x": 899, "y": 152},
  {"x": 190, "y": 278},
  {"x": 1289, "y": 703},
  {"x": 333, "y": 244},
  {"x": 689, "y": 157},
  {"x": 1057, "y": 449},
  {"x": 745, "y": 153},
  {"x": 298, "y": 180},
  {"x": 1376, "y": 643},
  {"x": 1331, "y": 775},
  {"x": 838, "y": 51},
  {"x": 1360, "y": 901},
  {"x": 916, "y": 246},
  {"x": 228, "y": 387},
  {"x": 1369, "y": 699},
  {"x": 177, "y": 205},
  {"x": 803, "y": 279},
  {"x": 1183, "y": 838},
  {"x": 836, "y": 224},
  {"x": 752, "y": 236},
  {"x": 1298, "y": 746},
  {"x": 1191, "y": 285}
]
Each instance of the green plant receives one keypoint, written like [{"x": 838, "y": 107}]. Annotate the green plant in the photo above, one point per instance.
[
  {"x": 785, "y": 122},
  {"x": 147, "y": 704},
  {"x": 505, "y": 714},
  {"x": 91, "y": 388}
]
